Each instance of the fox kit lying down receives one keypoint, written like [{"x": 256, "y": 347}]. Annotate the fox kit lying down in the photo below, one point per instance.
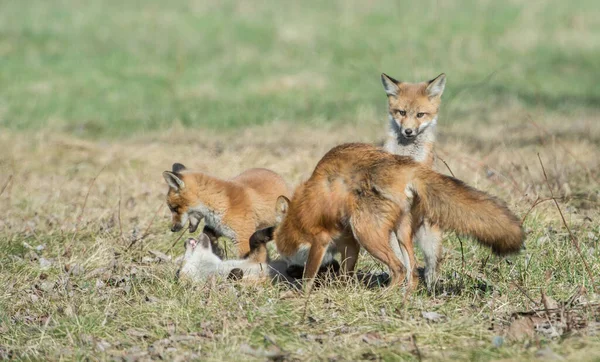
[
  {"x": 200, "y": 263},
  {"x": 361, "y": 196},
  {"x": 232, "y": 208}
]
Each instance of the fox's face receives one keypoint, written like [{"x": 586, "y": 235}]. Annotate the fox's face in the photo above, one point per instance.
[
  {"x": 413, "y": 106},
  {"x": 179, "y": 198}
]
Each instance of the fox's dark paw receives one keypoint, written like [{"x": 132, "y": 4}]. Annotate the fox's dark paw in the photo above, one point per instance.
[
  {"x": 260, "y": 237},
  {"x": 295, "y": 271},
  {"x": 236, "y": 274}
]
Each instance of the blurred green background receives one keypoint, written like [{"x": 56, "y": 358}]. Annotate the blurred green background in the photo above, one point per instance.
[{"x": 111, "y": 68}]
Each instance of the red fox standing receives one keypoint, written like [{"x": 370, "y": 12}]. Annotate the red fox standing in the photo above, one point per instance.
[
  {"x": 233, "y": 208},
  {"x": 413, "y": 112},
  {"x": 359, "y": 195}
]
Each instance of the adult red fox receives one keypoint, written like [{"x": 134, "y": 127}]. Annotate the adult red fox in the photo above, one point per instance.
[{"x": 361, "y": 196}]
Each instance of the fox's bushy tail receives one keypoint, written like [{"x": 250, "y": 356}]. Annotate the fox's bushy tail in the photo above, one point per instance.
[{"x": 455, "y": 206}]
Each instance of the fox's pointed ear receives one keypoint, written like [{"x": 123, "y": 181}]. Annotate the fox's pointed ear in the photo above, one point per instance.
[
  {"x": 390, "y": 85},
  {"x": 177, "y": 167},
  {"x": 173, "y": 180},
  {"x": 281, "y": 208},
  {"x": 436, "y": 86}
]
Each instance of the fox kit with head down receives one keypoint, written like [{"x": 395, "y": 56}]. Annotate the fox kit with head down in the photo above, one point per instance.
[
  {"x": 413, "y": 112},
  {"x": 361, "y": 196},
  {"x": 232, "y": 208}
]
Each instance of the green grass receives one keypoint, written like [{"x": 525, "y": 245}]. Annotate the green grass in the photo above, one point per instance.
[{"x": 113, "y": 68}]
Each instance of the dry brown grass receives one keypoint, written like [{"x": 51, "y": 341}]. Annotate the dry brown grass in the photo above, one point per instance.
[{"x": 85, "y": 294}]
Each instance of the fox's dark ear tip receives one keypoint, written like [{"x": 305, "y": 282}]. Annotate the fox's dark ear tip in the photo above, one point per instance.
[{"x": 178, "y": 167}]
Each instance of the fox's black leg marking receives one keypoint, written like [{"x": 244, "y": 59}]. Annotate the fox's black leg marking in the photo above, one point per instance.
[
  {"x": 236, "y": 274},
  {"x": 261, "y": 236},
  {"x": 214, "y": 242}
]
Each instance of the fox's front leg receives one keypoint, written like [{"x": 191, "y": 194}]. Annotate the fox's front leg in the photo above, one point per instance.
[
  {"x": 313, "y": 263},
  {"x": 349, "y": 249}
]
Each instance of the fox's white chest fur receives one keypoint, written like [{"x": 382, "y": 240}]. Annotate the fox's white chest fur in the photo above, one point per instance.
[
  {"x": 418, "y": 148},
  {"x": 214, "y": 220}
]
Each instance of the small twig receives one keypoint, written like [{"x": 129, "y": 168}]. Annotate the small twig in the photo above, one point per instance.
[
  {"x": 535, "y": 203},
  {"x": 413, "y": 338},
  {"x": 147, "y": 228},
  {"x": 448, "y": 167},
  {"x": 462, "y": 251},
  {"x": 176, "y": 240},
  {"x": 566, "y": 149},
  {"x": 573, "y": 238},
  {"x": 480, "y": 165},
  {"x": 525, "y": 294},
  {"x": 87, "y": 195},
  {"x": 6, "y": 184},
  {"x": 119, "y": 215}
]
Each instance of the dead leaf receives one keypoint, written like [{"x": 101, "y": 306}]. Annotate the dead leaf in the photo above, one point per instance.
[
  {"x": 74, "y": 269},
  {"x": 288, "y": 294},
  {"x": 272, "y": 353},
  {"x": 45, "y": 263},
  {"x": 102, "y": 345},
  {"x": 372, "y": 338},
  {"x": 99, "y": 284},
  {"x": 136, "y": 332},
  {"x": 160, "y": 256},
  {"x": 548, "y": 302},
  {"x": 147, "y": 260},
  {"x": 548, "y": 355},
  {"x": 433, "y": 316},
  {"x": 520, "y": 329}
]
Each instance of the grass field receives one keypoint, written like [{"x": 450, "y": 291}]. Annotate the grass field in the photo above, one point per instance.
[{"x": 98, "y": 98}]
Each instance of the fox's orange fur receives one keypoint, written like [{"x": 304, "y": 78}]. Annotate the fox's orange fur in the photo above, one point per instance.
[
  {"x": 361, "y": 196},
  {"x": 234, "y": 208}
]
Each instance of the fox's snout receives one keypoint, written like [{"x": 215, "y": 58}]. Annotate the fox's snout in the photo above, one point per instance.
[
  {"x": 176, "y": 227},
  {"x": 409, "y": 132}
]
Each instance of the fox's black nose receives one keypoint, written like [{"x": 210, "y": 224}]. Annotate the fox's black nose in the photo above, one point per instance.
[
  {"x": 408, "y": 131},
  {"x": 176, "y": 228}
]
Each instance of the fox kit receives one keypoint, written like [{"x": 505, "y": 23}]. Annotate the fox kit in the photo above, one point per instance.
[
  {"x": 234, "y": 208},
  {"x": 200, "y": 263},
  {"x": 413, "y": 113},
  {"x": 361, "y": 196}
]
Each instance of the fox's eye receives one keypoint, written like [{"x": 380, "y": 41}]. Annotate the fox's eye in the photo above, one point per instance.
[
  {"x": 420, "y": 115},
  {"x": 401, "y": 112}
]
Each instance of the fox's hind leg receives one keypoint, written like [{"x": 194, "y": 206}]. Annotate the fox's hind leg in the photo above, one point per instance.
[
  {"x": 429, "y": 238},
  {"x": 404, "y": 236},
  {"x": 372, "y": 232}
]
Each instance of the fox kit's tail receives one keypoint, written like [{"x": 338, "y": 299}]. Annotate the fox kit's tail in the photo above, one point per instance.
[{"x": 455, "y": 206}]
